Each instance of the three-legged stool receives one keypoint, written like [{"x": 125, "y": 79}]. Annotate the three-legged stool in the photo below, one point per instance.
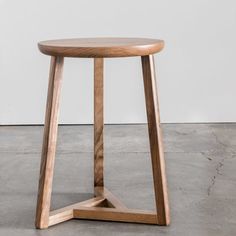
[{"x": 104, "y": 205}]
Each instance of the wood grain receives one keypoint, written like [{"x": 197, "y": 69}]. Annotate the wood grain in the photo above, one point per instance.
[
  {"x": 112, "y": 201},
  {"x": 101, "y": 47},
  {"x": 98, "y": 122},
  {"x": 155, "y": 137},
  {"x": 49, "y": 143},
  {"x": 67, "y": 213},
  {"x": 104, "y": 206},
  {"x": 113, "y": 214}
]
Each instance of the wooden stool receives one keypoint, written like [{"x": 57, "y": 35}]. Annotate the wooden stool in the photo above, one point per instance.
[{"x": 104, "y": 206}]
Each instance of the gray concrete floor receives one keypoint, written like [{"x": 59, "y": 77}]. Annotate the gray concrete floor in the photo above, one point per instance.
[{"x": 200, "y": 162}]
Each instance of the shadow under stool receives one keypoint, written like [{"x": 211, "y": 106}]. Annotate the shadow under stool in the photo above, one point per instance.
[{"x": 104, "y": 205}]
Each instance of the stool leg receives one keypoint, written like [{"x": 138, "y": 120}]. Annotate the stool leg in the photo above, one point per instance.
[
  {"x": 155, "y": 138},
  {"x": 98, "y": 122},
  {"x": 49, "y": 143}
]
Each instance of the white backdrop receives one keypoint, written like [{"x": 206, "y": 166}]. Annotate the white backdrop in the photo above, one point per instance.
[{"x": 196, "y": 70}]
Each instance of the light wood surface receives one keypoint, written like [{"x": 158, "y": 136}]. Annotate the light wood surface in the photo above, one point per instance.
[
  {"x": 98, "y": 122},
  {"x": 104, "y": 206},
  {"x": 155, "y": 137},
  {"x": 113, "y": 214},
  {"x": 95, "y": 210},
  {"x": 67, "y": 213},
  {"x": 112, "y": 200},
  {"x": 101, "y": 47},
  {"x": 49, "y": 143}
]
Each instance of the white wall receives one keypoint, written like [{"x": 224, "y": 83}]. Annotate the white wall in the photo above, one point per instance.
[{"x": 196, "y": 71}]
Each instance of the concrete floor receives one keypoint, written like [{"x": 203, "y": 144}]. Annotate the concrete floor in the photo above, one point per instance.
[{"x": 201, "y": 171}]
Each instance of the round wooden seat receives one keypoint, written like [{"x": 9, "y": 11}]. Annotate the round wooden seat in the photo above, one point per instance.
[{"x": 101, "y": 47}]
